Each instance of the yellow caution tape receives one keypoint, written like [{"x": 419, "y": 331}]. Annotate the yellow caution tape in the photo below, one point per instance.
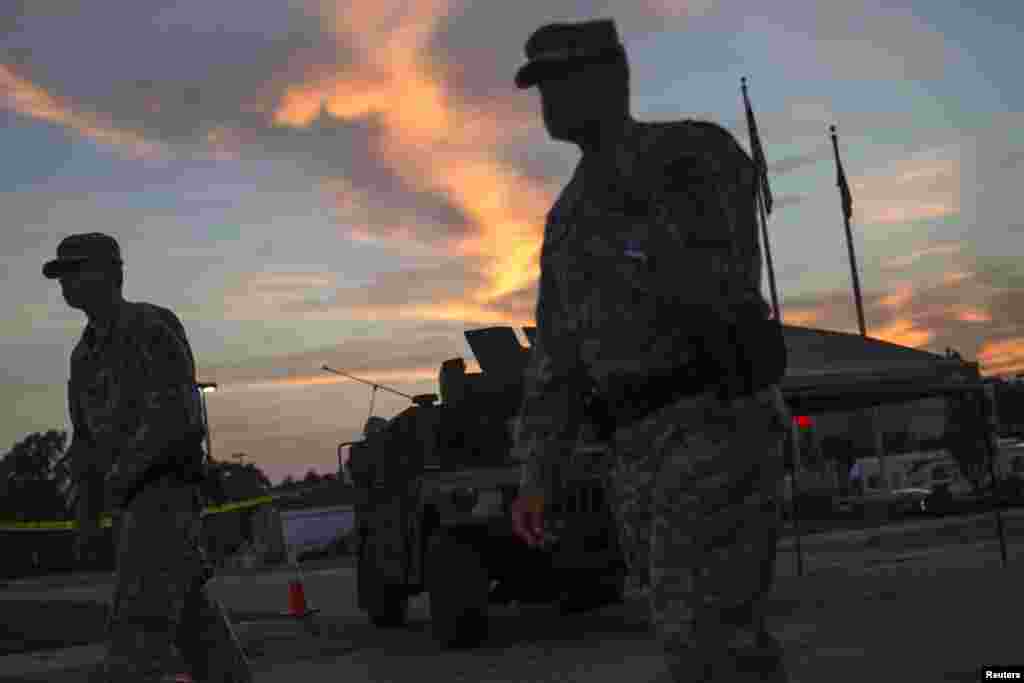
[
  {"x": 239, "y": 505},
  {"x": 106, "y": 521}
]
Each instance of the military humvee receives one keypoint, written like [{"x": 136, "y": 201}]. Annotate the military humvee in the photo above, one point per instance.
[{"x": 435, "y": 484}]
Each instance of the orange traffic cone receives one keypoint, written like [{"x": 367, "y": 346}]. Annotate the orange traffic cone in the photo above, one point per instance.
[{"x": 297, "y": 607}]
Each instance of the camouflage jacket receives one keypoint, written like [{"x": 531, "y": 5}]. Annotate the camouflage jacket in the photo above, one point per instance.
[
  {"x": 132, "y": 393},
  {"x": 639, "y": 255}
]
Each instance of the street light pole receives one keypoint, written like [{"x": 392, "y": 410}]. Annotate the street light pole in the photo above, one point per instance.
[{"x": 204, "y": 389}]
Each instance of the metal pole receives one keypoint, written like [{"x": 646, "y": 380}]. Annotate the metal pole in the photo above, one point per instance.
[
  {"x": 873, "y": 412},
  {"x": 341, "y": 470},
  {"x": 768, "y": 257},
  {"x": 856, "y": 280},
  {"x": 206, "y": 423},
  {"x": 987, "y": 419},
  {"x": 762, "y": 186},
  {"x": 373, "y": 397},
  {"x": 849, "y": 247},
  {"x": 794, "y": 467}
]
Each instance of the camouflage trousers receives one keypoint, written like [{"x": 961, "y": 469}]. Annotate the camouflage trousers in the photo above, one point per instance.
[
  {"x": 694, "y": 489},
  {"x": 160, "y": 599}
]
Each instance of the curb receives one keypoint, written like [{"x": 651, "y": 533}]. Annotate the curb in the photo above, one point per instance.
[
  {"x": 51, "y": 661},
  {"x": 855, "y": 536}
]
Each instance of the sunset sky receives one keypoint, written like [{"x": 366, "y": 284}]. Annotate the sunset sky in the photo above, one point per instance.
[{"x": 355, "y": 184}]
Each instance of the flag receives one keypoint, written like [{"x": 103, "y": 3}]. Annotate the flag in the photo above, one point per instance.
[
  {"x": 844, "y": 188},
  {"x": 758, "y": 152}
]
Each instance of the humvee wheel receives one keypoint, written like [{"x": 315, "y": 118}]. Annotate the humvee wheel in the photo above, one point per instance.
[
  {"x": 458, "y": 585},
  {"x": 386, "y": 604},
  {"x": 594, "y": 594}
]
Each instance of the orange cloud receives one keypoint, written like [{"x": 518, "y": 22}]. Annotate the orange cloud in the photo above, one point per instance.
[
  {"x": 454, "y": 311},
  {"x": 972, "y": 315},
  {"x": 677, "y": 9},
  {"x": 901, "y": 297},
  {"x": 952, "y": 279},
  {"x": 902, "y": 332},
  {"x": 801, "y": 317},
  {"x": 935, "y": 250},
  {"x": 29, "y": 99},
  {"x": 431, "y": 140},
  {"x": 1002, "y": 357},
  {"x": 910, "y": 190}
]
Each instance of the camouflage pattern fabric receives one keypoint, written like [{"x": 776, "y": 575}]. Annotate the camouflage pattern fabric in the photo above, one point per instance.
[
  {"x": 694, "y": 489},
  {"x": 638, "y": 263},
  {"x": 646, "y": 255},
  {"x": 132, "y": 392}
]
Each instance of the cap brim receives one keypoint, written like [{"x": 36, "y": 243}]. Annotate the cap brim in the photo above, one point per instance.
[
  {"x": 54, "y": 269},
  {"x": 532, "y": 73},
  {"x": 537, "y": 70},
  {"x": 526, "y": 76}
]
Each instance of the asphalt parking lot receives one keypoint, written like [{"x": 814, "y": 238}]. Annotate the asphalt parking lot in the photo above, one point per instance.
[{"x": 891, "y": 609}]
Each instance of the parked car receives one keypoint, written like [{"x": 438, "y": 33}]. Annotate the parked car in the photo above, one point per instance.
[{"x": 911, "y": 501}]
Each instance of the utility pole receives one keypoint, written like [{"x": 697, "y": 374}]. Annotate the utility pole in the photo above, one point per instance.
[{"x": 204, "y": 389}]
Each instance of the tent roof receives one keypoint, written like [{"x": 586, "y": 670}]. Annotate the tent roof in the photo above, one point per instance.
[
  {"x": 829, "y": 371},
  {"x": 840, "y": 371}
]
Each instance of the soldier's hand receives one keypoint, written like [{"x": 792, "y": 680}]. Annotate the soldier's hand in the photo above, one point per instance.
[{"x": 528, "y": 519}]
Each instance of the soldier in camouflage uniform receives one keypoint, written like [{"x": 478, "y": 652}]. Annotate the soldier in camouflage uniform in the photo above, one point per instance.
[
  {"x": 138, "y": 426},
  {"x": 650, "y": 320}
]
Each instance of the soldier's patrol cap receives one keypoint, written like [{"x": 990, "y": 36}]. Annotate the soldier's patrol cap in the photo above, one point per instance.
[
  {"x": 554, "y": 47},
  {"x": 93, "y": 247}
]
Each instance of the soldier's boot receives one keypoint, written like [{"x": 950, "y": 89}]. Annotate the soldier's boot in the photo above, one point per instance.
[{"x": 208, "y": 644}]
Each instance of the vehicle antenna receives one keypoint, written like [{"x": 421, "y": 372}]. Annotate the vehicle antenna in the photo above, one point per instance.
[{"x": 375, "y": 386}]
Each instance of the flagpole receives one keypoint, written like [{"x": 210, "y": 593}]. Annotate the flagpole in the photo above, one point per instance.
[
  {"x": 847, "y": 201},
  {"x": 847, "y": 211},
  {"x": 768, "y": 257},
  {"x": 763, "y": 201}
]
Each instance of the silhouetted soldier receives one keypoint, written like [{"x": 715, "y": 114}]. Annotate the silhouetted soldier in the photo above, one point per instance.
[
  {"x": 650, "y": 309},
  {"x": 138, "y": 427}
]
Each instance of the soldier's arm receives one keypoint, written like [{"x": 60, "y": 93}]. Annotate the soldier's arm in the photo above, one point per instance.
[
  {"x": 86, "y": 470},
  {"x": 159, "y": 404},
  {"x": 710, "y": 224},
  {"x": 706, "y": 200},
  {"x": 548, "y": 419},
  {"x": 79, "y": 452}
]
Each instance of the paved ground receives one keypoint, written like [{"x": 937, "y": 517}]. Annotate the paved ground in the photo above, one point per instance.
[{"x": 888, "y": 611}]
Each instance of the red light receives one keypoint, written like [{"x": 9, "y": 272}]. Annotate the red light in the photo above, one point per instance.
[{"x": 803, "y": 421}]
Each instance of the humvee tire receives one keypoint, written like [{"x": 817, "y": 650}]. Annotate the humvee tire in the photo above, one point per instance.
[
  {"x": 592, "y": 594},
  {"x": 459, "y": 588},
  {"x": 385, "y": 604}
]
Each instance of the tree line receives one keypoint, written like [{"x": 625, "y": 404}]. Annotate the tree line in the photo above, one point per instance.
[{"x": 35, "y": 477}]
